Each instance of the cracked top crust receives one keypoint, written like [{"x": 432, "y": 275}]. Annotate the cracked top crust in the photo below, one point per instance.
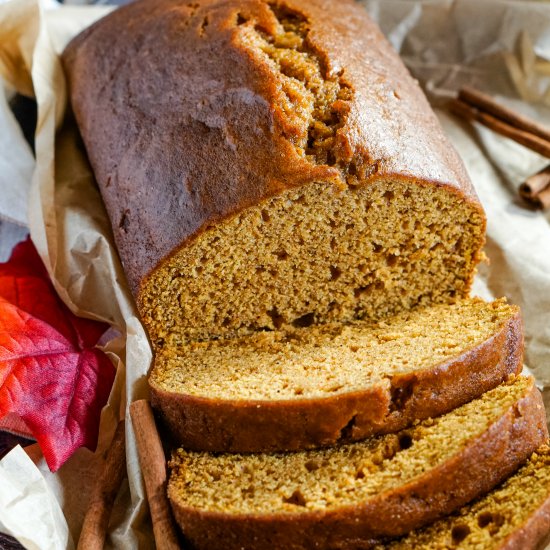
[{"x": 192, "y": 112}]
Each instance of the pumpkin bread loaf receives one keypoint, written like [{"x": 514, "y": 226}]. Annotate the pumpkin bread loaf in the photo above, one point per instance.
[
  {"x": 268, "y": 164},
  {"x": 515, "y": 516},
  {"x": 349, "y": 496},
  {"x": 301, "y": 239},
  {"x": 317, "y": 386}
]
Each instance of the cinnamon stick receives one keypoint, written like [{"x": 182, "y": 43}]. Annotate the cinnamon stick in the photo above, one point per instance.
[
  {"x": 542, "y": 200},
  {"x": 153, "y": 468},
  {"x": 485, "y": 102},
  {"x": 525, "y": 138},
  {"x": 536, "y": 189},
  {"x": 96, "y": 521}
]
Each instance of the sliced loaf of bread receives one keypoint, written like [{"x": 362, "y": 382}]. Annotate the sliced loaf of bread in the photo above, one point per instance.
[
  {"x": 515, "y": 516},
  {"x": 348, "y": 496},
  {"x": 265, "y": 162},
  {"x": 327, "y": 384}
]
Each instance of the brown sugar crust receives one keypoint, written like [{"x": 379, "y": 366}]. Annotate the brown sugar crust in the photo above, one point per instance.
[
  {"x": 534, "y": 534},
  {"x": 250, "y": 425},
  {"x": 480, "y": 465},
  {"x": 255, "y": 100}
]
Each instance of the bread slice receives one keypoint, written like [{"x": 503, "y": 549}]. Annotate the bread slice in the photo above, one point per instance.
[
  {"x": 266, "y": 162},
  {"x": 347, "y": 496},
  {"x": 316, "y": 386},
  {"x": 515, "y": 516}
]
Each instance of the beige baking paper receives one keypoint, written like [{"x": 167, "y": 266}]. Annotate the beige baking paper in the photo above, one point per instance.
[
  {"x": 48, "y": 529},
  {"x": 503, "y": 47},
  {"x": 70, "y": 229},
  {"x": 16, "y": 166}
]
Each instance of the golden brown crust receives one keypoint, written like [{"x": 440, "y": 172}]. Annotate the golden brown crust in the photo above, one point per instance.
[
  {"x": 474, "y": 471},
  {"x": 253, "y": 426},
  {"x": 534, "y": 534},
  {"x": 178, "y": 146}
]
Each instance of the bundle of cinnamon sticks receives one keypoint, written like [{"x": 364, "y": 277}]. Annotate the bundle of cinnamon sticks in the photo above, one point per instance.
[{"x": 475, "y": 105}]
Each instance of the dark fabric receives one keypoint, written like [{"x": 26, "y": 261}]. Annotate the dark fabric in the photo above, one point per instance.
[
  {"x": 8, "y": 441},
  {"x": 9, "y": 543}
]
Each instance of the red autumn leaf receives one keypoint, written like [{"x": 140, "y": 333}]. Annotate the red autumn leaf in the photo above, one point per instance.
[{"x": 51, "y": 374}]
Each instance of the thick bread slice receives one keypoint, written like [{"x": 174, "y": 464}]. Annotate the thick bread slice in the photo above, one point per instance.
[
  {"x": 263, "y": 162},
  {"x": 344, "y": 497},
  {"x": 515, "y": 516},
  {"x": 316, "y": 386}
]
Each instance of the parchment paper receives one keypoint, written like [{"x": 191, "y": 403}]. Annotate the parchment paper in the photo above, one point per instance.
[
  {"x": 500, "y": 46},
  {"x": 16, "y": 166}
]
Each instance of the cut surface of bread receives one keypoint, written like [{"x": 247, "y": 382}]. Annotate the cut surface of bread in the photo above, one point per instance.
[
  {"x": 315, "y": 386},
  {"x": 290, "y": 171},
  {"x": 337, "y": 497},
  {"x": 316, "y": 255},
  {"x": 515, "y": 516}
]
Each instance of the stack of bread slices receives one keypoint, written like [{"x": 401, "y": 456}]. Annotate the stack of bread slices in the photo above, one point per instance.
[{"x": 301, "y": 240}]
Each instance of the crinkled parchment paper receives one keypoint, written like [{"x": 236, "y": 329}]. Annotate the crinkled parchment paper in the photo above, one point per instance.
[{"x": 500, "y": 46}]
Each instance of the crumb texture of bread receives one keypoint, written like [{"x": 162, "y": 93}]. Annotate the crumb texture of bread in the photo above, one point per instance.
[
  {"x": 324, "y": 360},
  {"x": 515, "y": 516},
  {"x": 316, "y": 255},
  {"x": 342, "y": 476},
  {"x": 328, "y": 384},
  {"x": 290, "y": 172},
  {"x": 335, "y": 496}
]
